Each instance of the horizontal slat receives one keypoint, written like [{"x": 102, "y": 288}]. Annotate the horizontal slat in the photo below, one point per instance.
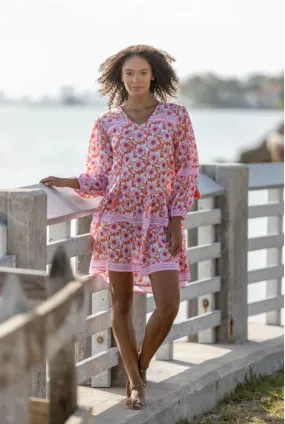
[
  {"x": 266, "y": 175},
  {"x": 267, "y": 305},
  {"x": 200, "y": 218},
  {"x": 74, "y": 246},
  {"x": 204, "y": 252},
  {"x": 265, "y": 242},
  {"x": 193, "y": 326},
  {"x": 192, "y": 291},
  {"x": 96, "y": 323},
  {"x": 264, "y": 274},
  {"x": 8, "y": 261},
  {"x": 271, "y": 209},
  {"x": 97, "y": 364}
]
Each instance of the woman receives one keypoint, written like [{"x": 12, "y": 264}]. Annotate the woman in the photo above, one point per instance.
[{"x": 143, "y": 160}]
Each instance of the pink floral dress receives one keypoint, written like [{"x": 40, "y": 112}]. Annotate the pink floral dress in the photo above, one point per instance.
[{"x": 146, "y": 174}]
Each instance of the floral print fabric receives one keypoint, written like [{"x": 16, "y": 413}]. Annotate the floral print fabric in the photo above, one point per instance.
[{"x": 146, "y": 174}]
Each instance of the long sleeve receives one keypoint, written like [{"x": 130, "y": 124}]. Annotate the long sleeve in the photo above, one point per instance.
[
  {"x": 99, "y": 163},
  {"x": 186, "y": 167}
]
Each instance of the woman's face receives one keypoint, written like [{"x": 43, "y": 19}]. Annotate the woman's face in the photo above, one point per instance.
[{"x": 137, "y": 76}]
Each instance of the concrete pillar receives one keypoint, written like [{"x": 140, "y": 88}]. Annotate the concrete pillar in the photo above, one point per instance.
[
  {"x": 274, "y": 256},
  {"x": 232, "y": 233},
  {"x": 27, "y": 222}
]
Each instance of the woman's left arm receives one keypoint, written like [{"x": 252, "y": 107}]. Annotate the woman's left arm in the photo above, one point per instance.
[{"x": 186, "y": 167}]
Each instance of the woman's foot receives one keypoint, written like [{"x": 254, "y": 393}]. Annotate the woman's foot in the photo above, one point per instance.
[{"x": 136, "y": 400}]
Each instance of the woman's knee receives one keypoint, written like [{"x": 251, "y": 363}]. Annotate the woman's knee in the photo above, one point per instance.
[
  {"x": 169, "y": 311},
  {"x": 121, "y": 306}
]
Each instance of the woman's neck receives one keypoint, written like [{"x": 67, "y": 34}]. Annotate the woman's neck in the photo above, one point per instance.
[{"x": 140, "y": 102}]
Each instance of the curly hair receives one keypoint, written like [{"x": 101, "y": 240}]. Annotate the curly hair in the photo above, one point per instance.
[{"x": 163, "y": 86}]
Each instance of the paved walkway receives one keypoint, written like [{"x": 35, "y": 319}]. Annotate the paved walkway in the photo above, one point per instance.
[{"x": 194, "y": 381}]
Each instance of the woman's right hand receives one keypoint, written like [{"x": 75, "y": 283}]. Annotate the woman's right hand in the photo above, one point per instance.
[{"x": 52, "y": 181}]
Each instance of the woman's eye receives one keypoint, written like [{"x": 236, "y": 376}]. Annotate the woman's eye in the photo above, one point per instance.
[{"x": 144, "y": 73}]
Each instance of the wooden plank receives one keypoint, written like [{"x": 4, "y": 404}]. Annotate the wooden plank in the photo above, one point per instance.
[
  {"x": 202, "y": 217},
  {"x": 33, "y": 282},
  {"x": 266, "y": 305},
  {"x": 82, "y": 415},
  {"x": 265, "y": 242},
  {"x": 26, "y": 211},
  {"x": 74, "y": 246},
  {"x": 65, "y": 204},
  {"x": 102, "y": 339},
  {"x": 194, "y": 325},
  {"x": 14, "y": 374},
  {"x": 8, "y": 261},
  {"x": 97, "y": 364},
  {"x": 202, "y": 253},
  {"x": 192, "y": 304},
  {"x": 271, "y": 209},
  {"x": 269, "y": 273},
  {"x": 266, "y": 175},
  {"x": 208, "y": 187},
  {"x": 83, "y": 347},
  {"x": 63, "y": 388},
  {"x": 95, "y": 324},
  {"x": 192, "y": 290},
  {"x": 39, "y": 411}
]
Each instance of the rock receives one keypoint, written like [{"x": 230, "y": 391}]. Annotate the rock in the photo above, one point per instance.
[{"x": 271, "y": 149}]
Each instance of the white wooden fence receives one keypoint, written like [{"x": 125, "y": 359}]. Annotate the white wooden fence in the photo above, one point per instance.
[
  {"x": 31, "y": 335},
  {"x": 218, "y": 245}
]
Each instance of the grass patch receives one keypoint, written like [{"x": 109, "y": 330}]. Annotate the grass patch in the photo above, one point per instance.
[{"x": 257, "y": 401}]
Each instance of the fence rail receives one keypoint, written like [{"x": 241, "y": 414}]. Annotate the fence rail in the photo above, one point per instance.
[
  {"x": 30, "y": 335},
  {"x": 217, "y": 249}
]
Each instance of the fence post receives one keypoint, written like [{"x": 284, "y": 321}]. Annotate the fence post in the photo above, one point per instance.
[
  {"x": 274, "y": 256},
  {"x": 206, "y": 269},
  {"x": 83, "y": 347},
  {"x": 5, "y": 260},
  {"x": 27, "y": 221},
  {"x": 232, "y": 233},
  {"x": 192, "y": 304},
  {"x": 63, "y": 378},
  {"x": 118, "y": 373},
  {"x": 14, "y": 376}
]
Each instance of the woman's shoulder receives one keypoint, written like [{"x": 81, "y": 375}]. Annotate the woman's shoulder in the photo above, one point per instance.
[
  {"x": 109, "y": 117},
  {"x": 176, "y": 108},
  {"x": 175, "y": 111}
]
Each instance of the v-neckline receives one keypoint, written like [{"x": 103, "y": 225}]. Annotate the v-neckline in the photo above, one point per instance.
[{"x": 143, "y": 123}]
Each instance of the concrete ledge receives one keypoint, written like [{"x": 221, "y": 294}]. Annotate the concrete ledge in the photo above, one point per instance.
[{"x": 194, "y": 382}]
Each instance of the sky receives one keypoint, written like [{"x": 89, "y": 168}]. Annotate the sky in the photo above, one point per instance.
[{"x": 45, "y": 44}]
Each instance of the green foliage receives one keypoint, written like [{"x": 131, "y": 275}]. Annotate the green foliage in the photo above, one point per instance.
[{"x": 257, "y": 90}]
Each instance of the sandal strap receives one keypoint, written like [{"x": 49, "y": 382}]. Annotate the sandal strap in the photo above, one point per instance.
[{"x": 137, "y": 385}]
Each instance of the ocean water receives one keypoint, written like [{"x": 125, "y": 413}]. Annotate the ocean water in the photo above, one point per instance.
[{"x": 39, "y": 141}]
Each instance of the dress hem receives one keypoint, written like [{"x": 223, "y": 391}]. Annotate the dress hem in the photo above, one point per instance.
[{"x": 101, "y": 268}]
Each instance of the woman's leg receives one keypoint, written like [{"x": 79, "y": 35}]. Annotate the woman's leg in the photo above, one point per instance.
[
  {"x": 165, "y": 287},
  {"x": 121, "y": 287}
]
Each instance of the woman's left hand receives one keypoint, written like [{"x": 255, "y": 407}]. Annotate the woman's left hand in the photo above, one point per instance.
[{"x": 174, "y": 235}]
